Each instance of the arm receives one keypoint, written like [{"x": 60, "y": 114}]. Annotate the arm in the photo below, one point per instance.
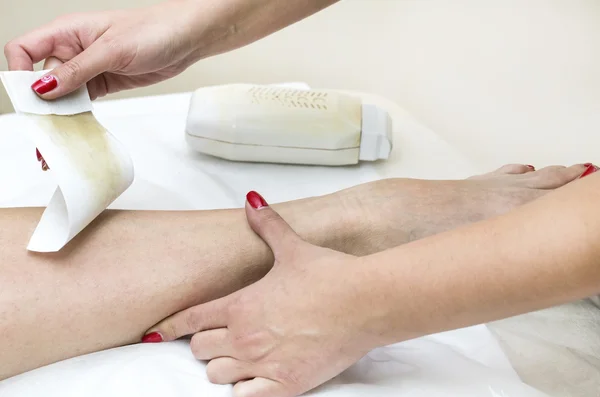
[
  {"x": 117, "y": 50},
  {"x": 226, "y": 25},
  {"x": 288, "y": 341},
  {"x": 542, "y": 254}
]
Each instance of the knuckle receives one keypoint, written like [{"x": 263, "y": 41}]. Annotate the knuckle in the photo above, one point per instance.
[
  {"x": 254, "y": 346},
  {"x": 113, "y": 44},
  {"x": 286, "y": 375},
  {"x": 71, "y": 70},
  {"x": 10, "y": 47},
  {"x": 213, "y": 372},
  {"x": 119, "y": 56}
]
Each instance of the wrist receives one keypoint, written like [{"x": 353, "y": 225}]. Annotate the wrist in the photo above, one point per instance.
[{"x": 374, "y": 309}]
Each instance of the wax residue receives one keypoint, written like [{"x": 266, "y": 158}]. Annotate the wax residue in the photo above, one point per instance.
[{"x": 87, "y": 144}]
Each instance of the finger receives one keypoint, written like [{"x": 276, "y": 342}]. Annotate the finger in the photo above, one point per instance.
[
  {"x": 199, "y": 318},
  {"x": 71, "y": 75},
  {"x": 227, "y": 370},
  {"x": 211, "y": 344},
  {"x": 26, "y": 51},
  {"x": 261, "y": 387},
  {"x": 269, "y": 225}
]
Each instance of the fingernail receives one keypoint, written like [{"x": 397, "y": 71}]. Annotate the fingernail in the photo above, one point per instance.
[
  {"x": 38, "y": 154},
  {"x": 531, "y": 167},
  {"x": 591, "y": 168},
  {"x": 152, "y": 337},
  {"x": 45, "y": 84},
  {"x": 255, "y": 200}
]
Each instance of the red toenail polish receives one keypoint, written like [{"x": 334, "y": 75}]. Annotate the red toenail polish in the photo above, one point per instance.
[
  {"x": 38, "y": 154},
  {"x": 45, "y": 84},
  {"x": 153, "y": 337},
  {"x": 531, "y": 167},
  {"x": 589, "y": 170},
  {"x": 255, "y": 200}
]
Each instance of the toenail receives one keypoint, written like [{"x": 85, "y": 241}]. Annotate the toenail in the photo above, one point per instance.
[
  {"x": 531, "y": 167},
  {"x": 591, "y": 168}
]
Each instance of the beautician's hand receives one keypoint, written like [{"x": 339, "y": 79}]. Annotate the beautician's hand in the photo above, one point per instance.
[
  {"x": 298, "y": 327},
  {"x": 110, "y": 51}
]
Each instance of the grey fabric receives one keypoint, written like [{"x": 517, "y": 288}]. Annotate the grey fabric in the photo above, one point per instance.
[{"x": 557, "y": 350}]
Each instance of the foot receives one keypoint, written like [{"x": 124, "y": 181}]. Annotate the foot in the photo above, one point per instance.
[{"x": 397, "y": 211}]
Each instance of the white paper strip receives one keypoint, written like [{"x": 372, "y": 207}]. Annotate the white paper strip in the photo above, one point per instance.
[
  {"x": 91, "y": 167},
  {"x": 24, "y": 100}
]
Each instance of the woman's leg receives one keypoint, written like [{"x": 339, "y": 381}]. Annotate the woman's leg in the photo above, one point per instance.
[
  {"x": 130, "y": 269},
  {"x": 127, "y": 271}
]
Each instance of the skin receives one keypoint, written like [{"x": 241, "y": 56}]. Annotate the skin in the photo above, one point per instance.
[
  {"x": 271, "y": 339},
  {"x": 130, "y": 269},
  {"x": 125, "y": 272},
  {"x": 113, "y": 51}
]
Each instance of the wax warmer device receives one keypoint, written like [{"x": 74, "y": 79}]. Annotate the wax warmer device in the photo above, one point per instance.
[{"x": 283, "y": 124}]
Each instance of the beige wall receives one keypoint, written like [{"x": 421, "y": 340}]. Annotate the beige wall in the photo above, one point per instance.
[{"x": 516, "y": 77}]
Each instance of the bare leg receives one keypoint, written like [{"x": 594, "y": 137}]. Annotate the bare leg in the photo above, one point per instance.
[
  {"x": 131, "y": 269},
  {"x": 127, "y": 271}
]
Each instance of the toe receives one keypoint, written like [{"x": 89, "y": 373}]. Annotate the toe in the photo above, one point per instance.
[
  {"x": 508, "y": 169},
  {"x": 554, "y": 177},
  {"x": 515, "y": 169}
]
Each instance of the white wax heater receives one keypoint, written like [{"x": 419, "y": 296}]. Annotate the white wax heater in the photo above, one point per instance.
[{"x": 279, "y": 124}]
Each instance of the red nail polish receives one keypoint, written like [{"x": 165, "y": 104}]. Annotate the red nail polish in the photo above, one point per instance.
[
  {"x": 45, "y": 84},
  {"x": 255, "y": 200},
  {"x": 38, "y": 154},
  {"x": 589, "y": 170},
  {"x": 531, "y": 167},
  {"x": 152, "y": 337}
]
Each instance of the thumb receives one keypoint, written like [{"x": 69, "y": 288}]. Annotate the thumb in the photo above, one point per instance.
[
  {"x": 74, "y": 73},
  {"x": 269, "y": 225}
]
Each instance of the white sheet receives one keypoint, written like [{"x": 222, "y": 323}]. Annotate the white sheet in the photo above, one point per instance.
[{"x": 463, "y": 363}]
